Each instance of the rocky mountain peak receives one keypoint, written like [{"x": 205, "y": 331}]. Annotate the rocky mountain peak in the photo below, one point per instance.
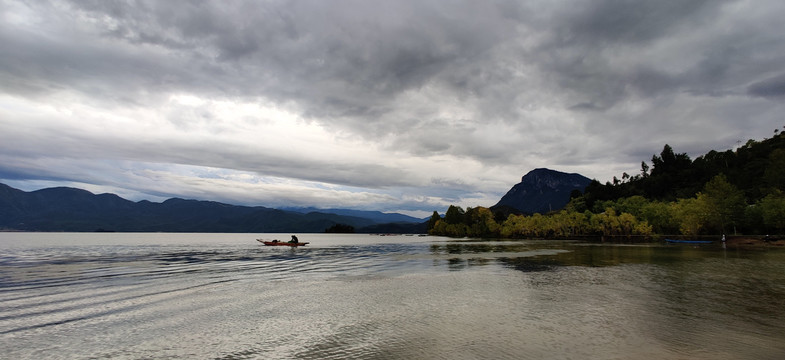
[{"x": 542, "y": 190}]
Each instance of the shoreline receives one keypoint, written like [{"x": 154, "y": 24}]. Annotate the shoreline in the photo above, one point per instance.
[{"x": 756, "y": 241}]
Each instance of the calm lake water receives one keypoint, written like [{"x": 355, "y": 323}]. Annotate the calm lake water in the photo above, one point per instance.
[{"x": 225, "y": 296}]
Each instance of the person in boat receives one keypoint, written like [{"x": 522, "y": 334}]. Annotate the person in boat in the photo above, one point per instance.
[{"x": 294, "y": 240}]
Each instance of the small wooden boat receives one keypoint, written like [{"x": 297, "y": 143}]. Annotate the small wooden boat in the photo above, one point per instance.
[
  {"x": 281, "y": 243},
  {"x": 689, "y": 241}
]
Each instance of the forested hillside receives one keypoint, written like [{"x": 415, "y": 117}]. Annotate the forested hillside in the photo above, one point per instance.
[{"x": 739, "y": 191}]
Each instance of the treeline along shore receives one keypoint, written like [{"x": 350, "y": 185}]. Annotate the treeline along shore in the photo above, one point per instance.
[{"x": 738, "y": 193}]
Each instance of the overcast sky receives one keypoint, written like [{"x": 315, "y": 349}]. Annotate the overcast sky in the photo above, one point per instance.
[{"x": 405, "y": 106}]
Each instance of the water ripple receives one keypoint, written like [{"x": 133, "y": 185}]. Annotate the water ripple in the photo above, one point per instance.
[{"x": 435, "y": 299}]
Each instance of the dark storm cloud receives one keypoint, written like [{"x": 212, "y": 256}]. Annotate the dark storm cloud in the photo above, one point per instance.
[
  {"x": 595, "y": 48},
  {"x": 352, "y": 38},
  {"x": 773, "y": 87},
  {"x": 605, "y": 22},
  {"x": 338, "y": 59}
]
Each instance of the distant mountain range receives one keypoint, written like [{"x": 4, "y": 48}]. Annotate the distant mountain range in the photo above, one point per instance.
[
  {"x": 70, "y": 209},
  {"x": 542, "y": 190},
  {"x": 376, "y": 216}
]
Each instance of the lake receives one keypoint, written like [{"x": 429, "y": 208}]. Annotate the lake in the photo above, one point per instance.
[{"x": 225, "y": 296}]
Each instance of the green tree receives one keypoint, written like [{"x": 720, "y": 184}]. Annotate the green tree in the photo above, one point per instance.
[
  {"x": 633, "y": 205},
  {"x": 434, "y": 219},
  {"x": 772, "y": 209},
  {"x": 609, "y": 223},
  {"x": 514, "y": 226},
  {"x": 606, "y": 223},
  {"x": 537, "y": 225},
  {"x": 480, "y": 221},
  {"x": 456, "y": 230},
  {"x": 669, "y": 162},
  {"x": 724, "y": 203},
  {"x": 692, "y": 214},
  {"x": 660, "y": 215},
  {"x": 774, "y": 175},
  {"x": 440, "y": 228},
  {"x": 454, "y": 215}
]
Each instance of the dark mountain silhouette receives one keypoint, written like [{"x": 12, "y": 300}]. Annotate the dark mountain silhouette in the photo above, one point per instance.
[
  {"x": 377, "y": 216},
  {"x": 70, "y": 209},
  {"x": 541, "y": 191}
]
